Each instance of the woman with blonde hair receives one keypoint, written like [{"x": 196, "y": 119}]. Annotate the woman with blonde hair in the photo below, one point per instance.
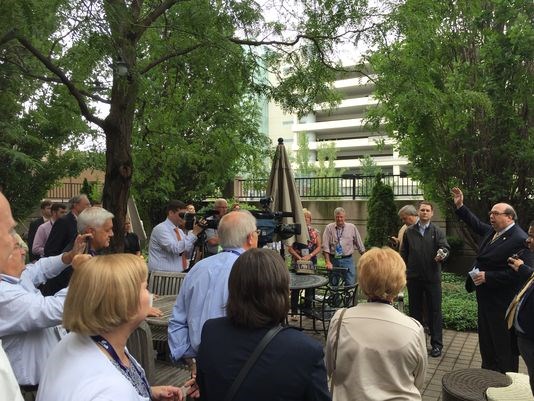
[
  {"x": 373, "y": 351},
  {"x": 107, "y": 299}
]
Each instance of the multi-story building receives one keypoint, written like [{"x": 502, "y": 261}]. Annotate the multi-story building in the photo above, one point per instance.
[{"x": 344, "y": 125}]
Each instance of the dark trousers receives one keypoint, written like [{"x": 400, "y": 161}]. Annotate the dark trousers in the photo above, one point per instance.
[
  {"x": 418, "y": 292},
  {"x": 526, "y": 348},
  {"x": 498, "y": 345}
]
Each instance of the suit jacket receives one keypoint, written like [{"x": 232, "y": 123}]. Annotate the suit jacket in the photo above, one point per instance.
[
  {"x": 63, "y": 232},
  {"x": 502, "y": 283},
  {"x": 419, "y": 252},
  {"x": 526, "y": 308},
  {"x": 32, "y": 230},
  {"x": 290, "y": 368}
]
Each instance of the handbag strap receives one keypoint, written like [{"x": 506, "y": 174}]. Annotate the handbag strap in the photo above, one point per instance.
[
  {"x": 335, "y": 350},
  {"x": 251, "y": 361}
]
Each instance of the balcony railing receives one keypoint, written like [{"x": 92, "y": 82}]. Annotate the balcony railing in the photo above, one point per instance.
[{"x": 348, "y": 186}]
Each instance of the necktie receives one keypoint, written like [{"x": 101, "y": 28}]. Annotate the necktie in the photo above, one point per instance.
[
  {"x": 495, "y": 237},
  {"x": 184, "y": 257},
  {"x": 510, "y": 313}
]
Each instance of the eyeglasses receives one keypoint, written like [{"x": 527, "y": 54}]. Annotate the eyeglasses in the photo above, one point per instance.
[
  {"x": 494, "y": 213},
  {"x": 257, "y": 231}
]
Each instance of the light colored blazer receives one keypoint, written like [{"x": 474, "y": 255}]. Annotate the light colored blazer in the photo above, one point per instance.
[{"x": 381, "y": 354}]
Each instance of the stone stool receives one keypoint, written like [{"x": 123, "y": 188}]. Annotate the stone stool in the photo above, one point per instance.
[{"x": 471, "y": 384}]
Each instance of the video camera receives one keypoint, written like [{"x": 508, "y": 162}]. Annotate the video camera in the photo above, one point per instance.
[
  {"x": 201, "y": 219},
  {"x": 270, "y": 224}
]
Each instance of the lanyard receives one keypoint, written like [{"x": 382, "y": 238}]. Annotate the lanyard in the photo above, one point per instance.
[
  {"x": 125, "y": 371},
  {"x": 338, "y": 235},
  {"x": 232, "y": 251}
]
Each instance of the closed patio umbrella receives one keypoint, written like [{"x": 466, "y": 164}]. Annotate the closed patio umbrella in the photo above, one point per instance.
[{"x": 282, "y": 189}]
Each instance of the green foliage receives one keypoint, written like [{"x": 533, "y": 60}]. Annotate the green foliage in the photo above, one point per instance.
[
  {"x": 459, "y": 307},
  {"x": 383, "y": 221},
  {"x": 454, "y": 82},
  {"x": 182, "y": 118}
]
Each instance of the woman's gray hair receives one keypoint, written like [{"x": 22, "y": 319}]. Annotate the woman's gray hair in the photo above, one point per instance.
[
  {"x": 235, "y": 227},
  {"x": 93, "y": 217}
]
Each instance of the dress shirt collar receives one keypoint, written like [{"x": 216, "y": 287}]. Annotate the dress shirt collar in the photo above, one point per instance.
[
  {"x": 10, "y": 279},
  {"x": 506, "y": 229}
]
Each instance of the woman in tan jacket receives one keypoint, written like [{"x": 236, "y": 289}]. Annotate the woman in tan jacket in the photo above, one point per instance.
[{"x": 381, "y": 353}]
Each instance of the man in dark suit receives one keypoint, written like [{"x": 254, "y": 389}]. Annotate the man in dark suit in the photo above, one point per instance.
[
  {"x": 495, "y": 283},
  {"x": 46, "y": 213},
  {"x": 65, "y": 229},
  {"x": 521, "y": 309}
]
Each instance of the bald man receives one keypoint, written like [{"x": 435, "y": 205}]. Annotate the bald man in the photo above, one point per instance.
[
  {"x": 9, "y": 388},
  {"x": 495, "y": 283}
]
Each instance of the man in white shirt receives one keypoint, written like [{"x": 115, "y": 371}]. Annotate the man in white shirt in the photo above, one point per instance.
[
  {"x": 29, "y": 320},
  {"x": 168, "y": 244},
  {"x": 9, "y": 389}
]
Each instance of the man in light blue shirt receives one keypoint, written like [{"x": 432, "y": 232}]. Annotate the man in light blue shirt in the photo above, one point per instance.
[
  {"x": 28, "y": 319},
  {"x": 9, "y": 389},
  {"x": 204, "y": 292},
  {"x": 168, "y": 243}
]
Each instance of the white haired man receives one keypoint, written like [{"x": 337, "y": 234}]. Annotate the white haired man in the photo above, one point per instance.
[
  {"x": 28, "y": 320},
  {"x": 204, "y": 292},
  {"x": 96, "y": 221}
]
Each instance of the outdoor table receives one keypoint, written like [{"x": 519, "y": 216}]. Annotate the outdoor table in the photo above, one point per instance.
[
  {"x": 159, "y": 324},
  {"x": 306, "y": 282}
]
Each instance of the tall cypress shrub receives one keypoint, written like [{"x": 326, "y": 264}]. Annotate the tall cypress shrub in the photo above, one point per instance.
[{"x": 382, "y": 221}]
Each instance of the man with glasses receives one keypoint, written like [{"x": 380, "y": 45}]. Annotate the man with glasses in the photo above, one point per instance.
[
  {"x": 204, "y": 292},
  {"x": 495, "y": 283}
]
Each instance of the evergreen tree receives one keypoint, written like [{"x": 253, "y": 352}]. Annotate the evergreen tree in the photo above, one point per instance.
[
  {"x": 87, "y": 189},
  {"x": 383, "y": 220}
]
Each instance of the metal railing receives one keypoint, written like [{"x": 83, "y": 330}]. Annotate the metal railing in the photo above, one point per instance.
[{"x": 349, "y": 186}]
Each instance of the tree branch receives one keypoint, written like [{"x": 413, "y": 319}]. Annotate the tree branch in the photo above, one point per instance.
[
  {"x": 74, "y": 91},
  {"x": 154, "y": 15},
  {"x": 155, "y": 63}
]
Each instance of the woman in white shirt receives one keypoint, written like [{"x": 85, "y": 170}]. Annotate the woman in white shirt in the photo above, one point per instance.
[
  {"x": 108, "y": 298},
  {"x": 381, "y": 353}
]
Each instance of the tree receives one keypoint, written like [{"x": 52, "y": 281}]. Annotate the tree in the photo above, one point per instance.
[
  {"x": 141, "y": 37},
  {"x": 454, "y": 82},
  {"x": 383, "y": 221}
]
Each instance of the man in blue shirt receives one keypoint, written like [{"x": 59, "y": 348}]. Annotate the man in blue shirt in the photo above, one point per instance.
[
  {"x": 169, "y": 244},
  {"x": 204, "y": 293}
]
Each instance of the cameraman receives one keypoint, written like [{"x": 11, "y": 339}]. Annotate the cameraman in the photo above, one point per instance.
[
  {"x": 212, "y": 238},
  {"x": 169, "y": 244}
]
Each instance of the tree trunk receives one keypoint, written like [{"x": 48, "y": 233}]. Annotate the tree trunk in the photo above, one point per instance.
[{"x": 118, "y": 127}]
